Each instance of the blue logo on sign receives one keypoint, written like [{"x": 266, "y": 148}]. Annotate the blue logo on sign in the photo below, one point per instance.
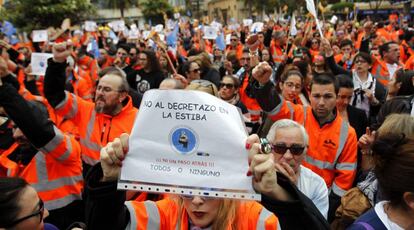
[
  {"x": 183, "y": 140},
  {"x": 42, "y": 64}
]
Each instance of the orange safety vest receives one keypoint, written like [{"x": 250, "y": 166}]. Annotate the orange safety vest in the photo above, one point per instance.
[
  {"x": 95, "y": 129},
  {"x": 380, "y": 71},
  {"x": 251, "y": 104},
  {"x": 81, "y": 86},
  {"x": 238, "y": 50},
  {"x": 277, "y": 52},
  {"x": 164, "y": 214},
  {"x": 332, "y": 152},
  {"x": 409, "y": 64},
  {"x": 55, "y": 171}
]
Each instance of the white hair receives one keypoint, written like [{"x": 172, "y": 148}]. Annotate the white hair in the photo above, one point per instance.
[{"x": 285, "y": 124}]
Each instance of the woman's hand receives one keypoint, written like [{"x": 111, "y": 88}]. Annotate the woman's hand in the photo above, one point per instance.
[{"x": 112, "y": 156}]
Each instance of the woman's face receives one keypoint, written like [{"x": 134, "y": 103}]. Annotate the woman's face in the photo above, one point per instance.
[
  {"x": 142, "y": 60},
  {"x": 193, "y": 72},
  {"x": 315, "y": 44},
  {"x": 361, "y": 65},
  {"x": 29, "y": 204},
  {"x": 163, "y": 62},
  {"x": 227, "y": 89},
  {"x": 265, "y": 55},
  {"x": 202, "y": 211},
  {"x": 291, "y": 87}
]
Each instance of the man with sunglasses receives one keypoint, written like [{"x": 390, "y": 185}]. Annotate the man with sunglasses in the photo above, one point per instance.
[
  {"x": 332, "y": 152},
  {"x": 289, "y": 141}
]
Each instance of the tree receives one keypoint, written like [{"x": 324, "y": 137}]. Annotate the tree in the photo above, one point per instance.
[
  {"x": 40, "y": 14},
  {"x": 153, "y": 10},
  {"x": 121, "y": 5}
]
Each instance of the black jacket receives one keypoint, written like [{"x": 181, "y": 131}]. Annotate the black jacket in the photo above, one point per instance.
[{"x": 105, "y": 207}]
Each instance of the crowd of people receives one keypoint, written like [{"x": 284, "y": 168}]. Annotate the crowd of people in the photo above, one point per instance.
[{"x": 335, "y": 106}]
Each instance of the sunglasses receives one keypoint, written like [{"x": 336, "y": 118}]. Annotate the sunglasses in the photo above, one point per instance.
[
  {"x": 360, "y": 61},
  {"x": 195, "y": 70},
  {"x": 40, "y": 212},
  {"x": 227, "y": 85},
  {"x": 295, "y": 149}
]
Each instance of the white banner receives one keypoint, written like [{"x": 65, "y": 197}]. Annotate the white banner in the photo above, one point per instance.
[
  {"x": 39, "y": 63},
  {"x": 188, "y": 142},
  {"x": 39, "y": 36},
  {"x": 118, "y": 25}
]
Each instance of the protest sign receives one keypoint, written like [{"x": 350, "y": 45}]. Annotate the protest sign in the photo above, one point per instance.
[
  {"x": 90, "y": 26},
  {"x": 39, "y": 63},
  {"x": 256, "y": 27},
  {"x": 39, "y": 35},
  {"x": 118, "y": 25},
  {"x": 247, "y": 22},
  {"x": 174, "y": 149},
  {"x": 210, "y": 32}
]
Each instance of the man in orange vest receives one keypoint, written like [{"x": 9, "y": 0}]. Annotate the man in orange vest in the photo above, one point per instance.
[
  {"x": 332, "y": 149},
  {"x": 235, "y": 45},
  {"x": 383, "y": 69},
  {"x": 246, "y": 97},
  {"x": 98, "y": 123},
  {"x": 277, "y": 46},
  {"x": 43, "y": 155}
]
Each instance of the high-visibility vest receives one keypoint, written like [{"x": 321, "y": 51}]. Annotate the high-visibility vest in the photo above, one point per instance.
[
  {"x": 409, "y": 64},
  {"x": 55, "y": 171},
  {"x": 165, "y": 214},
  {"x": 251, "y": 104},
  {"x": 277, "y": 53},
  {"x": 380, "y": 71},
  {"x": 95, "y": 129},
  {"x": 81, "y": 87},
  {"x": 332, "y": 152}
]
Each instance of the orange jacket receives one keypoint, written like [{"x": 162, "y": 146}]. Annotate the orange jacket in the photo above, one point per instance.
[
  {"x": 409, "y": 64},
  {"x": 165, "y": 214},
  {"x": 251, "y": 104},
  {"x": 55, "y": 171},
  {"x": 95, "y": 129},
  {"x": 332, "y": 152},
  {"x": 238, "y": 50},
  {"x": 277, "y": 52},
  {"x": 81, "y": 86}
]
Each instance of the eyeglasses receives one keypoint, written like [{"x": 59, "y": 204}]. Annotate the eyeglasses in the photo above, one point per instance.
[
  {"x": 105, "y": 89},
  {"x": 227, "y": 85},
  {"x": 282, "y": 148},
  {"x": 122, "y": 54},
  {"x": 142, "y": 59},
  {"x": 195, "y": 70},
  {"x": 360, "y": 61},
  {"x": 233, "y": 40},
  {"x": 40, "y": 212},
  {"x": 292, "y": 85}
]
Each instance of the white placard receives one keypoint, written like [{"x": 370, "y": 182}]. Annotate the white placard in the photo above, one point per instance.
[
  {"x": 210, "y": 32},
  {"x": 159, "y": 28},
  {"x": 90, "y": 26},
  {"x": 162, "y": 37},
  {"x": 146, "y": 34},
  {"x": 216, "y": 25},
  {"x": 118, "y": 25},
  {"x": 247, "y": 22},
  {"x": 40, "y": 36},
  {"x": 133, "y": 34},
  {"x": 177, "y": 15},
  {"x": 39, "y": 63},
  {"x": 333, "y": 20},
  {"x": 228, "y": 39},
  {"x": 173, "y": 148},
  {"x": 256, "y": 27}
]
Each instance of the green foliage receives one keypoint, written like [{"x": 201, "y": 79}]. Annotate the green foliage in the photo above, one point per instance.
[
  {"x": 121, "y": 4},
  {"x": 153, "y": 10},
  {"x": 340, "y": 6},
  {"x": 40, "y": 14}
]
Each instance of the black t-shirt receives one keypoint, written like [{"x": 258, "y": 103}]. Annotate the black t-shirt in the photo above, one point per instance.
[{"x": 143, "y": 81}]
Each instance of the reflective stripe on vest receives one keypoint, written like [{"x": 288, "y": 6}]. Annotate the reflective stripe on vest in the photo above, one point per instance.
[
  {"x": 261, "y": 221},
  {"x": 254, "y": 112},
  {"x": 55, "y": 142},
  {"x": 337, "y": 190},
  {"x": 86, "y": 141},
  {"x": 291, "y": 110},
  {"x": 378, "y": 75},
  {"x": 44, "y": 184},
  {"x": 343, "y": 134},
  {"x": 153, "y": 215},
  {"x": 132, "y": 216},
  {"x": 276, "y": 110},
  {"x": 73, "y": 108}
]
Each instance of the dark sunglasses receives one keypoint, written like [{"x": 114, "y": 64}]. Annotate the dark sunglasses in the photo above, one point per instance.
[
  {"x": 40, "y": 212},
  {"x": 195, "y": 70},
  {"x": 228, "y": 86},
  {"x": 294, "y": 149}
]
